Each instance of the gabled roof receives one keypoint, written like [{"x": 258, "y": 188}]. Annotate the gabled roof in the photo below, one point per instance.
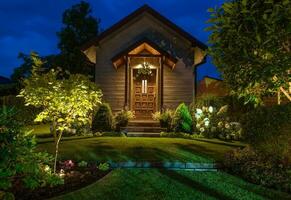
[
  {"x": 156, "y": 50},
  {"x": 137, "y": 13}
]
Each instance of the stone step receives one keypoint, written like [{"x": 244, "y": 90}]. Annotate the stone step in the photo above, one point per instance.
[
  {"x": 142, "y": 134},
  {"x": 143, "y": 129},
  {"x": 168, "y": 165},
  {"x": 143, "y": 124}
]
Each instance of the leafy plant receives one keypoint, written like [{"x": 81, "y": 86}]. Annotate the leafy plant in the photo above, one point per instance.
[
  {"x": 19, "y": 161},
  {"x": 122, "y": 118},
  {"x": 182, "y": 121},
  {"x": 83, "y": 164},
  {"x": 251, "y": 46},
  {"x": 259, "y": 168},
  {"x": 268, "y": 129},
  {"x": 64, "y": 99},
  {"x": 103, "y": 166},
  {"x": 165, "y": 118},
  {"x": 103, "y": 119}
]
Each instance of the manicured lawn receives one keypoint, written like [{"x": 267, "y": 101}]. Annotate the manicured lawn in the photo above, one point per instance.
[
  {"x": 156, "y": 184},
  {"x": 41, "y": 130},
  {"x": 138, "y": 149}
]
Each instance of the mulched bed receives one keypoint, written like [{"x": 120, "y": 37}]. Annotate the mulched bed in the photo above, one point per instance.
[{"x": 75, "y": 178}]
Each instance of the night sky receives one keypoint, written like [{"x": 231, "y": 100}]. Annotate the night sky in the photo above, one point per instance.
[{"x": 31, "y": 25}]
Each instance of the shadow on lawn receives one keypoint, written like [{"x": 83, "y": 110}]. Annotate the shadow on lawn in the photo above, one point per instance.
[
  {"x": 194, "y": 184},
  {"x": 202, "y": 151}
]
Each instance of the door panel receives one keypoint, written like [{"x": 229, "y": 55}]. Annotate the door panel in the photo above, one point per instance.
[{"x": 144, "y": 95}]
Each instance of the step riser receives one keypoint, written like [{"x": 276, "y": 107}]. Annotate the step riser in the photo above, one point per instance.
[{"x": 139, "y": 124}]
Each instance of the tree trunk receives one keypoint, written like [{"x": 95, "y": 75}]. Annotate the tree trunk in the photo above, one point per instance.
[{"x": 57, "y": 141}]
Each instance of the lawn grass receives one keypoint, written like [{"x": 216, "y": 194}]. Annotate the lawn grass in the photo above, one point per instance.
[
  {"x": 147, "y": 184},
  {"x": 120, "y": 149},
  {"x": 40, "y": 130}
]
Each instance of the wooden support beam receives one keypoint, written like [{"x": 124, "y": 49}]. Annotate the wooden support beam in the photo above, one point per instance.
[{"x": 126, "y": 83}]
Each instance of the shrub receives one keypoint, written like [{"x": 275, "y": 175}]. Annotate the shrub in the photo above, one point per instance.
[
  {"x": 122, "y": 118},
  {"x": 268, "y": 129},
  {"x": 212, "y": 123},
  {"x": 259, "y": 169},
  {"x": 165, "y": 118},
  {"x": 103, "y": 119},
  {"x": 26, "y": 114},
  {"x": 182, "y": 120},
  {"x": 19, "y": 161},
  {"x": 103, "y": 166},
  {"x": 82, "y": 164}
]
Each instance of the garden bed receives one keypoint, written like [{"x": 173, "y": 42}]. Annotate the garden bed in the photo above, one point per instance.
[{"x": 74, "y": 179}]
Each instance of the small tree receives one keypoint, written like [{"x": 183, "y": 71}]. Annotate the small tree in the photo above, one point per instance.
[
  {"x": 251, "y": 43},
  {"x": 64, "y": 101}
]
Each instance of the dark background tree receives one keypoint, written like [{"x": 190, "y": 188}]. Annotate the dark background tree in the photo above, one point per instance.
[
  {"x": 251, "y": 43},
  {"x": 78, "y": 27}
]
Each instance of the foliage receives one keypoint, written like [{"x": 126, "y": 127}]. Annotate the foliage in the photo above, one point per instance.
[
  {"x": 122, "y": 118},
  {"x": 259, "y": 168},
  {"x": 212, "y": 123},
  {"x": 64, "y": 102},
  {"x": 82, "y": 164},
  {"x": 268, "y": 129},
  {"x": 145, "y": 70},
  {"x": 8, "y": 89},
  {"x": 79, "y": 26},
  {"x": 103, "y": 166},
  {"x": 103, "y": 119},
  {"x": 19, "y": 161},
  {"x": 165, "y": 118},
  {"x": 251, "y": 45},
  {"x": 182, "y": 120},
  {"x": 26, "y": 114}
]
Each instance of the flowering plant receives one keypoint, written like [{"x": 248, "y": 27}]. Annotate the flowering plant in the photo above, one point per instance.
[{"x": 215, "y": 123}]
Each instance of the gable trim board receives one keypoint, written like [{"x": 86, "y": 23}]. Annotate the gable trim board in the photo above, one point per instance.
[{"x": 94, "y": 41}]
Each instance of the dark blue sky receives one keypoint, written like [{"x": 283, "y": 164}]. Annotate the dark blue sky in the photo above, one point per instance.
[{"x": 31, "y": 25}]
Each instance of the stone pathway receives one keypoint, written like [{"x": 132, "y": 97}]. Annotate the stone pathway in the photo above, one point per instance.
[{"x": 189, "y": 166}]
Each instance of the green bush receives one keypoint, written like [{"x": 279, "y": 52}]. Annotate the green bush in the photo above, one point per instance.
[
  {"x": 25, "y": 114},
  {"x": 19, "y": 161},
  {"x": 103, "y": 166},
  {"x": 259, "y": 169},
  {"x": 103, "y": 119},
  {"x": 165, "y": 118},
  {"x": 182, "y": 120},
  {"x": 122, "y": 118},
  {"x": 268, "y": 129}
]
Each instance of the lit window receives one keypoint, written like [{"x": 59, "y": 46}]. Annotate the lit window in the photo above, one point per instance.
[{"x": 144, "y": 86}]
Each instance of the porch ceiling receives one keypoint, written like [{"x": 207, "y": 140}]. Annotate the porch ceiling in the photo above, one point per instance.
[{"x": 143, "y": 48}]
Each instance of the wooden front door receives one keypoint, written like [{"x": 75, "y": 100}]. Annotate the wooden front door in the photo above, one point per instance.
[{"x": 144, "y": 95}]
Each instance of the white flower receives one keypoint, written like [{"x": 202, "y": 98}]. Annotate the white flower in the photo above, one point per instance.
[
  {"x": 198, "y": 111},
  {"x": 220, "y": 124},
  {"x": 197, "y": 116},
  {"x": 206, "y": 123},
  {"x": 227, "y": 125},
  {"x": 202, "y": 130},
  {"x": 47, "y": 168},
  {"x": 210, "y": 109}
]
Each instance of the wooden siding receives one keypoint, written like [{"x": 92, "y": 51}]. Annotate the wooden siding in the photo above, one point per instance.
[{"x": 178, "y": 85}]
